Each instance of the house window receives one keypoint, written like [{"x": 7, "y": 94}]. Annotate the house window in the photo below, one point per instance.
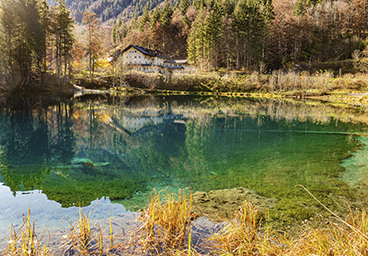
[
  {"x": 135, "y": 56},
  {"x": 139, "y": 57}
]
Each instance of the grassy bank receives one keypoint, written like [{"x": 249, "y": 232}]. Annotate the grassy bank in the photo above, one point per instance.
[
  {"x": 322, "y": 84},
  {"x": 165, "y": 228}
]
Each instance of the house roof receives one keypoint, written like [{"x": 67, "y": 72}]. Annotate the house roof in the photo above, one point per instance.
[
  {"x": 146, "y": 51},
  {"x": 181, "y": 61},
  {"x": 149, "y": 52}
]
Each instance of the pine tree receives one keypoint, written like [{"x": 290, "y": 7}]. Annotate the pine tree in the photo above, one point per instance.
[
  {"x": 214, "y": 33},
  {"x": 199, "y": 4},
  {"x": 228, "y": 6},
  {"x": 133, "y": 23},
  {"x": 120, "y": 31},
  {"x": 299, "y": 8},
  {"x": 166, "y": 13},
  {"x": 248, "y": 26},
  {"x": 184, "y": 5},
  {"x": 113, "y": 34},
  {"x": 196, "y": 39},
  {"x": 23, "y": 37},
  {"x": 144, "y": 19},
  {"x": 45, "y": 21},
  {"x": 67, "y": 39},
  {"x": 155, "y": 17},
  {"x": 62, "y": 24}
]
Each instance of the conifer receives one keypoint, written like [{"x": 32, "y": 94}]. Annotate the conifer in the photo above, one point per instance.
[{"x": 144, "y": 19}]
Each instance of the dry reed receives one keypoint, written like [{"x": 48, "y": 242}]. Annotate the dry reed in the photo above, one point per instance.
[
  {"x": 166, "y": 230},
  {"x": 25, "y": 242},
  {"x": 86, "y": 240},
  {"x": 165, "y": 222}
]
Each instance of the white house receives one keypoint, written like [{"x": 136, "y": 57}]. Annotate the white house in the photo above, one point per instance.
[{"x": 147, "y": 60}]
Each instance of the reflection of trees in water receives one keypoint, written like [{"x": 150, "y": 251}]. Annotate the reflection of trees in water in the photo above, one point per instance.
[
  {"x": 27, "y": 148},
  {"x": 151, "y": 151},
  {"x": 62, "y": 146},
  {"x": 219, "y": 140}
]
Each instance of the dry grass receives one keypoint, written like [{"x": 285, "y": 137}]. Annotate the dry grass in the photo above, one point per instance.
[
  {"x": 84, "y": 239},
  {"x": 25, "y": 242},
  {"x": 246, "y": 235},
  {"x": 165, "y": 223},
  {"x": 165, "y": 229}
]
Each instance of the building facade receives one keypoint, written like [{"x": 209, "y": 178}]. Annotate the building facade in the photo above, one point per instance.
[{"x": 147, "y": 60}]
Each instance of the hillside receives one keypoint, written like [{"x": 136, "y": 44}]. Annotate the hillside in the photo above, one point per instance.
[{"x": 110, "y": 9}]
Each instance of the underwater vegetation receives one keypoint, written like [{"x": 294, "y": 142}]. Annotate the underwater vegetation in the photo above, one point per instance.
[{"x": 201, "y": 143}]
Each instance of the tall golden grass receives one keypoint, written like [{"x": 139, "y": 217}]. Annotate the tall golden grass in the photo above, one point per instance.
[
  {"x": 245, "y": 234},
  {"x": 279, "y": 82},
  {"x": 165, "y": 229},
  {"x": 24, "y": 241},
  {"x": 166, "y": 222},
  {"x": 84, "y": 239}
]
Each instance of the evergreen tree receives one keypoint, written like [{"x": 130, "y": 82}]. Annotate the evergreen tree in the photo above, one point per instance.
[
  {"x": 196, "y": 39},
  {"x": 119, "y": 31},
  {"x": 113, "y": 34},
  {"x": 155, "y": 17},
  {"x": 228, "y": 6},
  {"x": 61, "y": 24},
  {"x": 184, "y": 5},
  {"x": 166, "y": 13},
  {"x": 199, "y": 4},
  {"x": 144, "y": 19},
  {"x": 299, "y": 8},
  {"x": 133, "y": 23},
  {"x": 23, "y": 37},
  {"x": 248, "y": 26},
  {"x": 66, "y": 37},
  {"x": 45, "y": 21},
  {"x": 214, "y": 33}
]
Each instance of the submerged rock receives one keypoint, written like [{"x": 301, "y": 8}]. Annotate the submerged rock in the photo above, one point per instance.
[
  {"x": 87, "y": 162},
  {"x": 218, "y": 205},
  {"x": 82, "y": 161}
]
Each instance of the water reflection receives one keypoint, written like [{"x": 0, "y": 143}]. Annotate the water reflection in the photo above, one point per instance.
[{"x": 81, "y": 149}]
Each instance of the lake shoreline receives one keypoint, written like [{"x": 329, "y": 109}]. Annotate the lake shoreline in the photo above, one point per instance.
[{"x": 322, "y": 87}]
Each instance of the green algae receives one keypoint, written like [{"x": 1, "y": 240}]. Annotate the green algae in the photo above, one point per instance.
[{"x": 210, "y": 148}]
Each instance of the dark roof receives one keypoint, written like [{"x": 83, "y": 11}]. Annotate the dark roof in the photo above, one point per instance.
[
  {"x": 178, "y": 67},
  {"x": 149, "y": 52}
]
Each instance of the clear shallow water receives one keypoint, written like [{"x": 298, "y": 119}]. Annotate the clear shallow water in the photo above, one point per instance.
[
  {"x": 14, "y": 205},
  {"x": 80, "y": 150}
]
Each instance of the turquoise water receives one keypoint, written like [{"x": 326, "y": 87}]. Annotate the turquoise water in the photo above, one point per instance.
[{"x": 71, "y": 153}]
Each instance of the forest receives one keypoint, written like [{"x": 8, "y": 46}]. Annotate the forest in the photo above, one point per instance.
[{"x": 39, "y": 38}]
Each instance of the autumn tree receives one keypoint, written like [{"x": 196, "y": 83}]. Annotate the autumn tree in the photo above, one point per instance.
[
  {"x": 93, "y": 37},
  {"x": 23, "y": 38}
]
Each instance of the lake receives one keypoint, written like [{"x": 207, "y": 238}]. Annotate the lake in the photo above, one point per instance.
[{"x": 61, "y": 154}]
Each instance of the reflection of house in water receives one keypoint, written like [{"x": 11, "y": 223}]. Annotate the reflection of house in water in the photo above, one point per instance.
[{"x": 138, "y": 121}]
